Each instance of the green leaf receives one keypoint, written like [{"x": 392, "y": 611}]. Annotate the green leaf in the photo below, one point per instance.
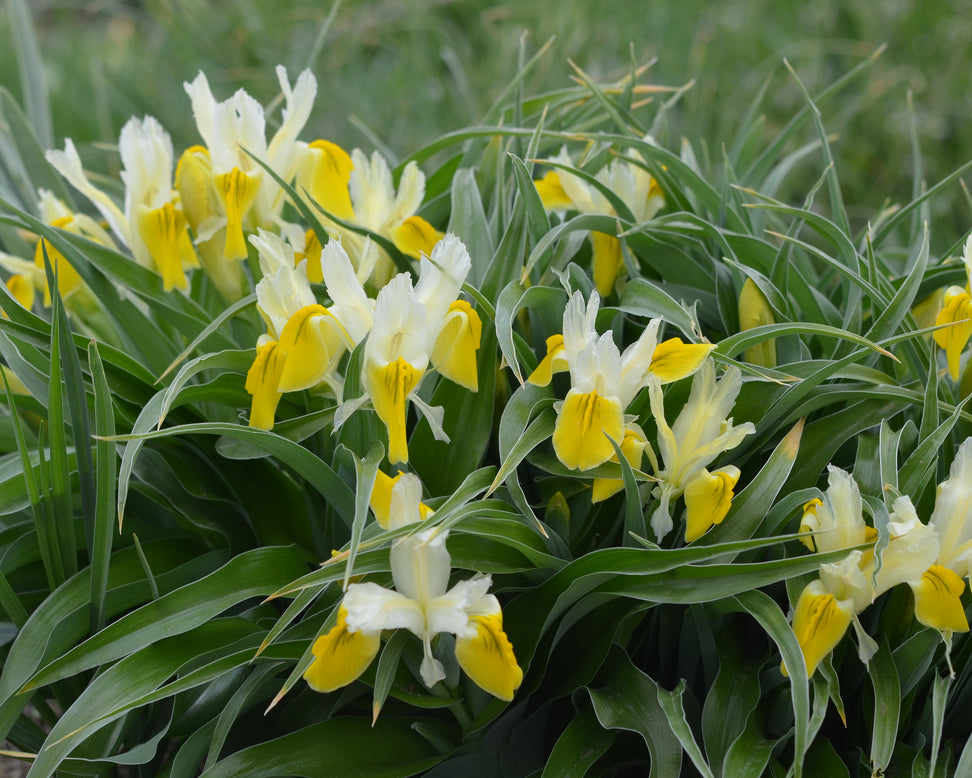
[
  {"x": 64, "y": 616},
  {"x": 120, "y": 686},
  {"x": 626, "y": 698},
  {"x": 887, "y": 707},
  {"x": 771, "y": 619},
  {"x": 347, "y": 747},
  {"x": 671, "y": 705},
  {"x": 365, "y": 470},
  {"x": 255, "y": 573},
  {"x": 468, "y": 219},
  {"x": 730, "y": 702},
  {"x": 317, "y": 473},
  {"x": 940, "y": 689},
  {"x": 105, "y": 474},
  {"x": 32, "y": 82},
  {"x": 579, "y": 746},
  {"x": 752, "y": 504}
]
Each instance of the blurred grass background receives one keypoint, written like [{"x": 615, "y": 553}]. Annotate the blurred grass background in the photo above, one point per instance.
[{"x": 399, "y": 73}]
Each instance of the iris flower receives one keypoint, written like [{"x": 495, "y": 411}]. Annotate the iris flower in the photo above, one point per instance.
[
  {"x": 422, "y": 603},
  {"x": 702, "y": 431},
  {"x": 415, "y": 328},
  {"x": 30, "y": 277},
  {"x": 561, "y": 190},
  {"x": 956, "y": 312},
  {"x": 359, "y": 189},
  {"x": 305, "y": 339},
  {"x": 604, "y": 381},
  {"x": 223, "y": 186},
  {"x": 917, "y": 554},
  {"x": 153, "y": 224}
]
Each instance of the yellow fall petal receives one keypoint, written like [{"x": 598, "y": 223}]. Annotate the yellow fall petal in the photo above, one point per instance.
[
  {"x": 553, "y": 362},
  {"x": 938, "y": 600},
  {"x": 22, "y": 289},
  {"x": 310, "y": 340},
  {"x": 487, "y": 657},
  {"x": 263, "y": 382},
  {"x": 162, "y": 230},
  {"x": 606, "y": 262},
  {"x": 194, "y": 182},
  {"x": 673, "y": 359},
  {"x": 68, "y": 279},
  {"x": 755, "y": 311},
  {"x": 415, "y": 236},
  {"x": 389, "y": 386},
  {"x": 633, "y": 448},
  {"x": 552, "y": 193},
  {"x": 329, "y": 179},
  {"x": 819, "y": 622},
  {"x": 579, "y": 436},
  {"x": 238, "y": 191},
  {"x": 809, "y": 511},
  {"x": 926, "y": 310},
  {"x": 454, "y": 355},
  {"x": 708, "y": 497},
  {"x": 312, "y": 253},
  {"x": 380, "y": 500},
  {"x": 341, "y": 656},
  {"x": 956, "y": 312}
]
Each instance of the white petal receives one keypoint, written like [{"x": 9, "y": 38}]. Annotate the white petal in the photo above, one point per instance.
[
  {"x": 433, "y": 414},
  {"x": 406, "y": 496},
  {"x": 636, "y": 363},
  {"x": 421, "y": 565},
  {"x": 352, "y": 307},
  {"x": 68, "y": 164},
  {"x": 952, "y": 517},
  {"x": 372, "y": 608},
  {"x": 411, "y": 192}
]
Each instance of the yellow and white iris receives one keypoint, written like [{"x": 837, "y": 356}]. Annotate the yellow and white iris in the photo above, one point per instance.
[
  {"x": 956, "y": 312},
  {"x": 562, "y": 190},
  {"x": 223, "y": 186},
  {"x": 153, "y": 224},
  {"x": 422, "y": 603},
  {"x": 305, "y": 339},
  {"x": 30, "y": 277},
  {"x": 915, "y": 554},
  {"x": 359, "y": 189},
  {"x": 604, "y": 382},
  {"x": 702, "y": 431},
  {"x": 413, "y": 329}
]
